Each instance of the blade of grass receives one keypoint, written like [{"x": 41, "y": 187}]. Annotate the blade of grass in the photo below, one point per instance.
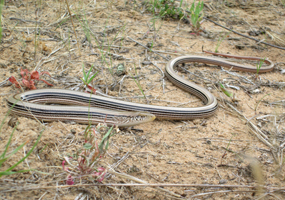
[
  {"x": 260, "y": 101},
  {"x": 3, "y": 121},
  {"x": 31, "y": 150},
  {"x": 1, "y": 7},
  {"x": 258, "y": 66},
  {"x": 225, "y": 91},
  {"x": 106, "y": 136},
  {"x": 67, "y": 5},
  {"x": 8, "y": 143},
  {"x": 140, "y": 87},
  {"x": 138, "y": 84},
  {"x": 10, "y": 173},
  {"x": 220, "y": 41}
]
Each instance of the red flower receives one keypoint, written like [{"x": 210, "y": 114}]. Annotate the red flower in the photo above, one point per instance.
[
  {"x": 101, "y": 174},
  {"x": 63, "y": 167},
  {"x": 14, "y": 81},
  {"x": 28, "y": 79},
  {"x": 69, "y": 180}
]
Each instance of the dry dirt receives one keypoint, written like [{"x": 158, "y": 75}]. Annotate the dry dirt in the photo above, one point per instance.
[{"x": 220, "y": 150}]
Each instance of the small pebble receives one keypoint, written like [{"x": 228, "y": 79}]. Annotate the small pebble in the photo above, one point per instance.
[
  {"x": 223, "y": 181},
  {"x": 12, "y": 122}
]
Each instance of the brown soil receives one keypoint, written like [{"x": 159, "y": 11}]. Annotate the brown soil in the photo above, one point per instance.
[{"x": 220, "y": 150}]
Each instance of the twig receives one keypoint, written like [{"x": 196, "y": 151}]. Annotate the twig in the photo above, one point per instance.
[
  {"x": 148, "y": 48},
  {"x": 216, "y": 192},
  {"x": 3, "y": 82},
  {"x": 162, "y": 73},
  {"x": 116, "y": 56},
  {"x": 256, "y": 131},
  {"x": 257, "y": 40},
  {"x": 237, "y": 75},
  {"x": 24, "y": 20},
  {"x": 122, "y": 175},
  {"x": 144, "y": 185},
  {"x": 195, "y": 74}
]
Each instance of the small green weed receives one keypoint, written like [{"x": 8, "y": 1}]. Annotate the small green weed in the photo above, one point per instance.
[
  {"x": 1, "y": 7},
  {"x": 229, "y": 150},
  {"x": 196, "y": 15},
  {"x": 166, "y": 8},
  {"x": 104, "y": 54},
  {"x": 155, "y": 24},
  {"x": 4, "y": 156},
  {"x": 260, "y": 101},
  {"x": 70, "y": 14},
  {"x": 86, "y": 80},
  {"x": 221, "y": 39},
  {"x": 225, "y": 91},
  {"x": 258, "y": 66},
  {"x": 85, "y": 161},
  {"x": 139, "y": 85}
]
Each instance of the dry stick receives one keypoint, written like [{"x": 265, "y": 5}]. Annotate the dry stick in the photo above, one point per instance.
[
  {"x": 223, "y": 191},
  {"x": 62, "y": 19},
  {"x": 195, "y": 74},
  {"x": 148, "y": 48},
  {"x": 273, "y": 189},
  {"x": 122, "y": 175},
  {"x": 257, "y": 40},
  {"x": 162, "y": 73},
  {"x": 23, "y": 20},
  {"x": 73, "y": 27},
  {"x": 3, "y": 82},
  {"x": 273, "y": 36},
  {"x": 115, "y": 165},
  {"x": 119, "y": 57},
  {"x": 257, "y": 132}
]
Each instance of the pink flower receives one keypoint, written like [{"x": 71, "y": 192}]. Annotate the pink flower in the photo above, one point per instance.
[
  {"x": 63, "y": 167},
  {"x": 69, "y": 180},
  {"x": 101, "y": 173},
  {"x": 28, "y": 79},
  {"x": 13, "y": 80}
]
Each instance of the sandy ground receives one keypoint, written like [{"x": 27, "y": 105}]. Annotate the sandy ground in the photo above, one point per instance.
[{"x": 220, "y": 150}]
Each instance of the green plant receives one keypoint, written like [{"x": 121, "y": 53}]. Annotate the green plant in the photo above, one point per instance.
[
  {"x": 166, "y": 8},
  {"x": 84, "y": 162},
  {"x": 156, "y": 24},
  {"x": 85, "y": 26},
  {"x": 104, "y": 54},
  {"x": 229, "y": 150},
  {"x": 109, "y": 44},
  {"x": 4, "y": 156},
  {"x": 67, "y": 5},
  {"x": 260, "y": 101},
  {"x": 196, "y": 15},
  {"x": 139, "y": 85},
  {"x": 1, "y": 7},
  {"x": 258, "y": 66},
  {"x": 221, "y": 39},
  {"x": 225, "y": 91},
  {"x": 86, "y": 80}
]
